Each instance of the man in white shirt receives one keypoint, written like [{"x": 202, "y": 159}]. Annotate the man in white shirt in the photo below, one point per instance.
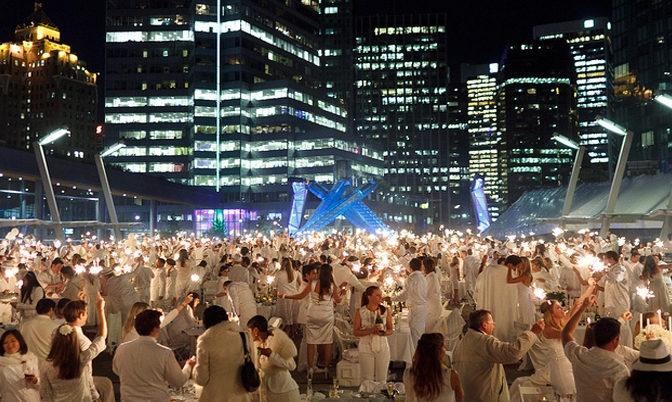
[
  {"x": 142, "y": 280},
  {"x": 617, "y": 286},
  {"x": 37, "y": 329},
  {"x": 568, "y": 279},
  {"x": 242, "y": 300},
  {"x": 415, "y": 296},
  {"x": 470, "y": 268},
  {"x": 635, "y": 268},
  {"x": 50, "y": 279},
  {"x": 146, "y": 368},
  {"x": 7, "y": 285},
  {"x": 238, "y": 273},
  {"x": 597, "y": 369}
]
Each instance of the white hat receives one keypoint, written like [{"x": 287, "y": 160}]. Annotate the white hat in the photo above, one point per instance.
[
  {"x": 653, "y": 356},
  {"x": 7, "y": 264},
  {"x": 237, "y": 258}
]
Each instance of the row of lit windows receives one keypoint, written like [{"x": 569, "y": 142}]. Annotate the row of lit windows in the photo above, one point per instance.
[
  {"x": 140, "y": 101},
  {"x": 153, "y": 151},
  {"x": 152, "y": 36},
  {"x": 154, "y": 167},
  {"x": 244, "y": 26},
  {"x": 153, "y": 135},
  {"x": 378, "y": 31},
  {"x": 397, "y": 65},
  {"x": 126, "y": 118}
]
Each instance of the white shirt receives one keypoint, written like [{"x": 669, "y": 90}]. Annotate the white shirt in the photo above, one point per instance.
[
  {"x": 595, "y": 371},
  {"x": 37, "y": 331},
  {"x": 617, "y": 290},
  {"x": 237, "y": 273},
  {"x": 415, "y": 291},
  {"x": 144, "y": 367},
  {"x": 158, "y": 285}
]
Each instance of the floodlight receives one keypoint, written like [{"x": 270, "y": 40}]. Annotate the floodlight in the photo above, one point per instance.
[
  {"x": 54, "y": 135},
  {"x": 565, "y": 141},
  {"x": 611, "y": 126},
  {"x": 663, "y": 99},
  {"x": 114, "y": 148}
]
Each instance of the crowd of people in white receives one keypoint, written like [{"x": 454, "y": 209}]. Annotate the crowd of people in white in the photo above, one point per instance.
[{"x": 48, "y": 293}]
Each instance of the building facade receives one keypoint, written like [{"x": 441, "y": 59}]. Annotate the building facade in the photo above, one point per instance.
[
  {"x": 590, "y": 46},
  {"x": 44, "y": 86},
  {"x": 535, "y": 98},
  {"x": 228, "y": 96},
  {"x": 642, "y": 38},
  {"x": 404, "y": 101}
]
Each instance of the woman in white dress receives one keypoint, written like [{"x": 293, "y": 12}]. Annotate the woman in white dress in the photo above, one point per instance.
[
  {"x": 523, "y": 279},
  {"x": 320, "y": 316},
  {"x": 18, "y": 369},
  {"x": 428, "y": 378},
  {"x": 374, "y": 351},
  {"x": 286, "y": 279},
  {"x": 31, "y": 293},
  {"x": 434, "y": 305},
  {"x": 654, "y": 273}
]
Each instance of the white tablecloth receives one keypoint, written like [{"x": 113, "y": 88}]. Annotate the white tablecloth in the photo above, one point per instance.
[
  {"x": 401, "y": 347},
  {"x": 266, "y": 311}
]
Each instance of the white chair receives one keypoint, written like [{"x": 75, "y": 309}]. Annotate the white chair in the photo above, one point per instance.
[
  {"x": 275, "y": 322},
  {"x": 343, "y": 325},
  {"x": 451, "y": 327},
  {"x": 344, "y": 343}
]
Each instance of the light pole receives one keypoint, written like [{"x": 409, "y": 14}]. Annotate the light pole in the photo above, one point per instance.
[
  {"x": 105, "y": 184},
  {"x": 576, "y": 169},
  {"x": 46, "y": 178},
  {"x": 620, "y": 169},
  {"x": 665, "y": 100}
]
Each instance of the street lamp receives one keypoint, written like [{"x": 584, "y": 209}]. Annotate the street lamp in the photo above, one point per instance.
[
  {"x": 105, "y": 184},
  {"x": 576, "y": 169},
  {"x": 620, "y": 169},
  {"x": 663, "y": 99},
  {"x": 46, "y": 177}
]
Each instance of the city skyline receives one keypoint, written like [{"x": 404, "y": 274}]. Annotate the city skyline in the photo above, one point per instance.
[{"x": 82, "y": 23}]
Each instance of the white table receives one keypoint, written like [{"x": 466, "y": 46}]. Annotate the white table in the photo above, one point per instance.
[{"x": 266, "y": 311}]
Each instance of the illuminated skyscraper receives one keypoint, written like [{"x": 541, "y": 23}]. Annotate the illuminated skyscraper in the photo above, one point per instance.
[
  {"x": 535, "y": 98},
  {"x": 44, "y": 86},
  {"x": 403, "y": 100},
  {"x": 642, "y": 35},
  {"x": 484, "y": 137},
  {"x": 227, "y": 95},
  {"x": 590, "y": 45}
]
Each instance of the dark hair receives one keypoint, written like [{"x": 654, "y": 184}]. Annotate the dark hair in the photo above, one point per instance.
[
  {"x": 64, "y": 353},
  {"x": 161, "y": 260},
  {"x": 427, "y": 367},
  {"x": 73, "y": 310},
  {"x": 649, "y": 267},
  {"x": 307, "y": 269},
  {"x": 415, "y": 264},
  {"x": 606, "y": 330},
  {"x": 67, "y": 271},
  {"x": 170, "y": 262},
  {"x": 326, "y": 279},
  {"x": 259, "y": 322},
  {"x": 513, "y": 260},
  {"x": 477, "y": 318},
  {"x": 611, "y": 254},
  {"x": 213, "y": 315},
  {"x": 365, "y": 298},
  {"x": 245, "y": 260},
  {"x": 429, "y": 265},
  {"x": 147, "y": 321},
  {"x": 30, "y": 282},
  {"x": 44, "y": 305},
  {"x": 57, "y": 260},
  {"x": 195, "y": 296},
  {"x": 183, "y": 256},
  {"x": 650, "y": 385},
  {"x": 223, "y": 268},
  {"x": 23, "y": 347}
]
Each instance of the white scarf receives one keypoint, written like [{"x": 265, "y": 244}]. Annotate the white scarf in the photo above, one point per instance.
[{"x": 16, "y": 358}]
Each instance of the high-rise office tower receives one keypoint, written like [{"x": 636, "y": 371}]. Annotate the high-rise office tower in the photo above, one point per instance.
[
  {"x": 337, "y": 42},
  {"x": 44, "y": 86},
  {"x": 643, "y": 65},
  {"x": 590, "y": 45},
  {"x": 227, "y": 95},
  {"x": 535, "y": 98},
  {"x": 402, "y": 100},
  {"x": 484, "y": 137}
]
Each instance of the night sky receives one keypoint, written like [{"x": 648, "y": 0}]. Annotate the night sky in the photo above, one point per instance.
[{"x": 478, "y": 30}]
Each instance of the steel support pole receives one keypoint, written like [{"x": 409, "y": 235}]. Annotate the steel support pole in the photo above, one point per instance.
[
  {"x": 616, "y": 183},
  {"x": 49, "y": 190},
  {"x": 107, "y": 193}
]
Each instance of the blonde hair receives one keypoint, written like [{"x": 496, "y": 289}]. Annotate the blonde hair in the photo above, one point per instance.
[
  {"x": 550, "y": 319},
  {"x": 137, "y": 308}
]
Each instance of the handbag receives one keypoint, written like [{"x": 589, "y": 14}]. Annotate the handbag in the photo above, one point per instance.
[{"x": 249, "y": 374}]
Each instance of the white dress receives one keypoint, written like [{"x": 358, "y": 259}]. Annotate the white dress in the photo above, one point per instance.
[
  {"x": 434, "y": 306},
  {"x": 558, "y": 372},
  {"x": 286, "y": 308},
  {"x": 661, "y": 299},
  {"x": 526, "y": 307},
  {"x": 320, "y": 318},
  {"x": 12, "y": 381}
]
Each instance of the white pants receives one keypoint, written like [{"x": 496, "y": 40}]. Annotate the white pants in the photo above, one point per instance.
[
  {"x": 373, "y": 366},
  {"x": 416, "y": 323}
]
